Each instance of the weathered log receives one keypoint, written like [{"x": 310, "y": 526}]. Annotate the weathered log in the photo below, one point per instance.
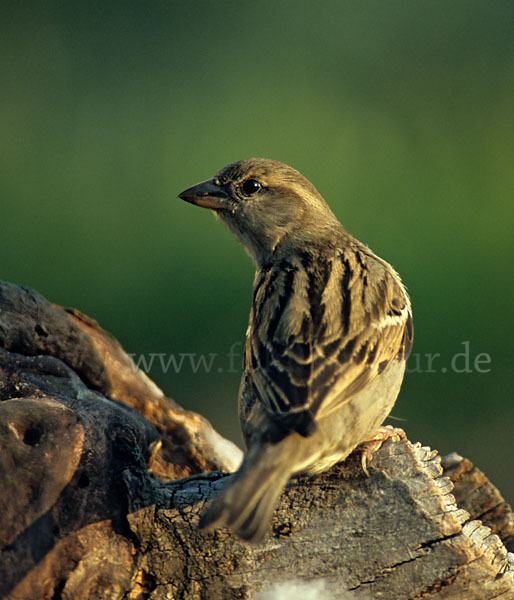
[
  {"x": 92, "y": 506},
  {"x": 32, "y": 326}
]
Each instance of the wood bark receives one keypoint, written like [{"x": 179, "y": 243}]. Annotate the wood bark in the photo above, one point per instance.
[{"x": 103, "y": 479}]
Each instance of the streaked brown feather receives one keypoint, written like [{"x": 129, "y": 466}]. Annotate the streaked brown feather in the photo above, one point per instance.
[{"x": 317, "y": 338}]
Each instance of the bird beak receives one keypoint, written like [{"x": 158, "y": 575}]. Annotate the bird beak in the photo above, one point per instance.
[{"x": 208, "y": 194}]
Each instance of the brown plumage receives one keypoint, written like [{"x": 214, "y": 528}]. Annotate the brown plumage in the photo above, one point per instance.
[{"x": 330, "y": 330}]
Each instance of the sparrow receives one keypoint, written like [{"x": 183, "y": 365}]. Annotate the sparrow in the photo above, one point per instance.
[{"x": 329, "y": 333}]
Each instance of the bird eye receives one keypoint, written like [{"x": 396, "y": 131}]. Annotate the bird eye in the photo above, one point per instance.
[{"x": 250, "y": 186}]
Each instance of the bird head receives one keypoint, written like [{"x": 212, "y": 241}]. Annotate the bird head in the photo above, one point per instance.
[{"x": 269, "y": 206}]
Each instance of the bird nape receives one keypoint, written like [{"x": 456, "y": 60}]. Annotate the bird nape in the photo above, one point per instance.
[{"x": 329, "y": 333}]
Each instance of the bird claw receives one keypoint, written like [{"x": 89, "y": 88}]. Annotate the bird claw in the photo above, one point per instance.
[{"x": 371, "y": 445}]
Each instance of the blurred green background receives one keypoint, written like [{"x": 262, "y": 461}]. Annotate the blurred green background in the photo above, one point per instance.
[{"x": 399, "y": 112}]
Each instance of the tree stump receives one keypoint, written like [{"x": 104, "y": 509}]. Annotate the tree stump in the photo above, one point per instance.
[{"x": 103, "y": 479}]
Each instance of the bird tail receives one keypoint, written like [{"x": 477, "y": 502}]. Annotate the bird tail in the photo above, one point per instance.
[{"x": 246, "y": 503}]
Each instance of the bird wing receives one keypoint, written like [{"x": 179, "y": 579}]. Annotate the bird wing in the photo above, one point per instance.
[{"x": 321, "y": 330}]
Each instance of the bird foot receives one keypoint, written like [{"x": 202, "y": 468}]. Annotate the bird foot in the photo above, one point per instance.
[{"x": 371, "y": 445}]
